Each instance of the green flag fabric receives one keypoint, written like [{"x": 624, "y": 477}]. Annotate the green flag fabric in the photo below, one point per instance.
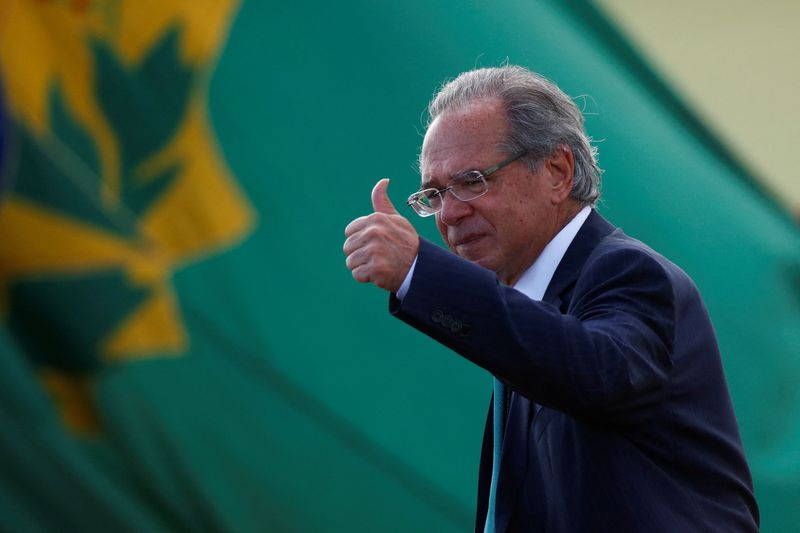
[{"x": 181, "y": 345}]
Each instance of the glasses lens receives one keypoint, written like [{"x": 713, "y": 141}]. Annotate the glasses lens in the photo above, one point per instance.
[
  {"x": 426, "y": 202},
  {"x": 469, "y": 186}
]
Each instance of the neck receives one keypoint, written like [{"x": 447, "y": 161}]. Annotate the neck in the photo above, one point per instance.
[
  {"x": 563, "y": 216},
  {"x": 569, "y": 213}
]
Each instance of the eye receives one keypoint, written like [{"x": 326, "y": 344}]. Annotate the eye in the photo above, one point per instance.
[
  {"x": 429, "y": 197},
  {"x": 472, "y": 181}
]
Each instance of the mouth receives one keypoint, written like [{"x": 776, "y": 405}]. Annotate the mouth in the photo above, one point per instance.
[{"x": 468, "y": 241}]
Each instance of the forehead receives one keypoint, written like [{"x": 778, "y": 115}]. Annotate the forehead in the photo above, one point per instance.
[{"x": 462, "y": 139}]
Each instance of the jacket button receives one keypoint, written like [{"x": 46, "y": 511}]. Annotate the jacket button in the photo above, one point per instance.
[{"x": 437, "y": 316}]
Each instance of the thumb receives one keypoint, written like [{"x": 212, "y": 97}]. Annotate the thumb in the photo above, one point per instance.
[{"x": 380, "y": 199}]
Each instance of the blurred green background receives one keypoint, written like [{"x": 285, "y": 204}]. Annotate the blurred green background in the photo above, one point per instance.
[{"x": 215, "y": 367}]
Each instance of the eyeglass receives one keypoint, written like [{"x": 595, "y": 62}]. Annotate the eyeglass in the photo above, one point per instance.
[{"x": 465, "y": 187}]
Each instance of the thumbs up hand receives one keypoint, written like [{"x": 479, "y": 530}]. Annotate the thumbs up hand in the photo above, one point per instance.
[{"x": 381, "y": 247}]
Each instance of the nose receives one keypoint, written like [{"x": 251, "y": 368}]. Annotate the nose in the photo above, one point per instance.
[{"x": 453, "y": 210}]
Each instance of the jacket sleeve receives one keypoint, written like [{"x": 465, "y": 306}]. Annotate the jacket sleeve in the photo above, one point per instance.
[{"x": 608, "y": 356}]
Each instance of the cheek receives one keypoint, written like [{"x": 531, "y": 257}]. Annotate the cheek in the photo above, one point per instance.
[
  {"x": 442, "y": 230},
  {"x": 524, "y": 210},
  {"x": 515, "y": 224}
]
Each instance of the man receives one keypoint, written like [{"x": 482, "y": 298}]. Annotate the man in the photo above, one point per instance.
[{"x": 611, "y": 411}]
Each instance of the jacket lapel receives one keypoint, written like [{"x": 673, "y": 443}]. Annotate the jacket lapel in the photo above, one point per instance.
[{"x": 594, "y": 230}]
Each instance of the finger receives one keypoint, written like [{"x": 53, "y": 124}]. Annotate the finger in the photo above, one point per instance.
[
  {"x": 352, "y": 246},
  {"x": 380, "y": 198},
  {"x": 362, "y": 274},
  {"x": 355, "y": 259},
  {"x": 357, "y": 240},
  {"x": 355, "y": 226}
]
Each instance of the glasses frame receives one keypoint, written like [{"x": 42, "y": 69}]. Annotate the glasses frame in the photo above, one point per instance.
[{"x": 414, "y": 200}]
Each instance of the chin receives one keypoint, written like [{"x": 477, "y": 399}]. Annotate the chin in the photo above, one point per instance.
[
  {"x": 485, "y": 262},
  {"x": 475, "y": 255}
]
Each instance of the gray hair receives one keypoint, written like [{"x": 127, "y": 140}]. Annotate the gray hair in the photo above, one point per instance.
[{"x": 540, "y": 115}]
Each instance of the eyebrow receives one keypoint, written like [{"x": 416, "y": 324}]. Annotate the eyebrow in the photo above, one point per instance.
[{"x": 429, "y": 184}]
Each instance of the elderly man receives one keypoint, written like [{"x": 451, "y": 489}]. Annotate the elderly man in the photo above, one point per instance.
[{"x": 610, "y": 409}]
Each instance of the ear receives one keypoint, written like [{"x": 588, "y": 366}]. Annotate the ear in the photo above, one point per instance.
[{"x": 560, "y": 170}]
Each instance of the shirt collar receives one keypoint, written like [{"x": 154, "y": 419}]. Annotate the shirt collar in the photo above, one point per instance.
[{"x": 535, "y": 280}]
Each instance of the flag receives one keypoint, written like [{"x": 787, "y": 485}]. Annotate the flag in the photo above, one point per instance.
[{"x": 182, "y": 347}]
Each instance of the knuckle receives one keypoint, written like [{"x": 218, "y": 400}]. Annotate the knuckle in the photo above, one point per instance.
[
  {"x": 351, "y": 228},
  {"x": 350, "y": 245},
  {"x": 373, "y": 232},
  {"x": 362, "y": 274}
]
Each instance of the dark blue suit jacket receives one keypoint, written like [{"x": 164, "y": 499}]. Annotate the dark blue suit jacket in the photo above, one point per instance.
[{"x": 619, "y": 417}]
